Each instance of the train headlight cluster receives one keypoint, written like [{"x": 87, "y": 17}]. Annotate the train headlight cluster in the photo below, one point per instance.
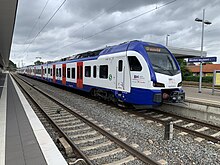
[
  {"x": 156, "y": 84},
  {"x": 177, "y": 96},
  {"x": 180, "y": 84}
]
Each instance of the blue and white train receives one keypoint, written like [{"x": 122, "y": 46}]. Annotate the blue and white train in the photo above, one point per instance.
[{"x": 137, "y": 73}]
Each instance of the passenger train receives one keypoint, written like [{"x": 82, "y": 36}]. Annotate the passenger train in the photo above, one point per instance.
[{"x": 137, "y": 73}]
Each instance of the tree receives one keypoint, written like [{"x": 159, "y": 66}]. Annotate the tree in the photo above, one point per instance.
[
  {"x": 38, "y": 62},
  {"x": 183, "y": 66},
  {"x": 12, "y": 66}
]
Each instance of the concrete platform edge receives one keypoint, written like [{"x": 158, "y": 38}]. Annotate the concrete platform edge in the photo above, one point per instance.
[
  {"x": 51, "y": 153},
  {"x": 203, "y": 112},
  {"x": 3, "y": 105}
]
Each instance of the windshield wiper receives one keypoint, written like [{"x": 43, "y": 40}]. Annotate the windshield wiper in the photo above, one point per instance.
[{"x": 164, "y": 69}]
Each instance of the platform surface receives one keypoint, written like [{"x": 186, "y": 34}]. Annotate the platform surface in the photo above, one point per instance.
[
  {"x": 205, "y": 96},
  {"x": 21, "y": 144},
  {"x": 23, "y": 139}
]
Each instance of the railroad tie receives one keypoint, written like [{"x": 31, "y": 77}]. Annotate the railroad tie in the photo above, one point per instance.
[
  {"x": 188, "y": 125},
  {"x": 105, "y": 154},
  {"x": 177, "y": 121},
  {"x": 122, "y": 161},
  {"x": 84, "y": 134},
  {"x": 216, "y": 134},
  {"x": 202, "y": 129},
  {"x": 96, "y": 146},
  {"x": 89, "y": 139}
]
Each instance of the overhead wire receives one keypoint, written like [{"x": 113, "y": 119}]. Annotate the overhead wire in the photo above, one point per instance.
[
  {"x": 36, "y": 22},
  {"x": 96, "y": 17},
  {"x": 46, "y": 23},
  {"x": 123, "y": 22}
]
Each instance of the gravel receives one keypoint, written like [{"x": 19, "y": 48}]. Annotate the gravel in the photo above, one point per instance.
[{"x": 149, "y": 136}]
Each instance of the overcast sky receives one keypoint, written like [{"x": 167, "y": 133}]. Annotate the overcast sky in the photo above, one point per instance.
[{"x": 83, "y": 25}]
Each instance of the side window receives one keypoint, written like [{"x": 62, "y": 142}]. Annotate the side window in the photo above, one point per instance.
[
  {"x": 87, "y": 71},
  {"x": 103, "y": 71},
  {"x": 120, "y": 65},
  {"x": 134, "y": 63},
  {"x": 73, "y": 73},
  {"x": 59, "y": 72},
  {"x": 51, "y": 70},
  {"x": 45, "y": 71},
  {"x": 68, "y": 72},
  {"x": 94, "y": 71},
  {"x": 48, "y": 70}
]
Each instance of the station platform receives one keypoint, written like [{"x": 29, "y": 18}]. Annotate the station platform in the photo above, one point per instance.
[
  {"x": 205, "y": 97},
  {"x": 23, "y": 139}
]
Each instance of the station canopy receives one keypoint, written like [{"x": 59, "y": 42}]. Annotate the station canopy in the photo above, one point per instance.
[
  {"x": 185, "y": 53},
  {"x": 8, "y": 10}
]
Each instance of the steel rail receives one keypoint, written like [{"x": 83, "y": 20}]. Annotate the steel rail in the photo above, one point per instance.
[
  {"x": 113, "y": 138},
  {"x": 196, "y": 133},
  {"x": 76, "y": 150}
]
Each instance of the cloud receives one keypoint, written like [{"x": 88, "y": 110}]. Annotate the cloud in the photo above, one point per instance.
[{"x": 84, "y": 25}]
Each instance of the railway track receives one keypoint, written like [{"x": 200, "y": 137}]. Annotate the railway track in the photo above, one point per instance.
[
  {"x": 90, "y": 142},
  {"x": 202, "y": 130}
]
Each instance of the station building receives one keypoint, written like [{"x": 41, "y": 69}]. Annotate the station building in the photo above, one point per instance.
[{"x": 207, "y": 69}]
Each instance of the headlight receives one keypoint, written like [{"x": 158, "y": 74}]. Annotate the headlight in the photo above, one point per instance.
[
  {"x": 180, "y": 84},
  {"x": 158, "y": 85}
]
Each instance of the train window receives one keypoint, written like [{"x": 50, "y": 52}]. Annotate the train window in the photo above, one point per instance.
[
  {"x": 45, "y": 71},
  {"x": 120, "y": 65},
  {"x": 134, "y": 63},
  {"x": 94, "y": 71},
  {"x": 87, "y": 71},
  {"x": 51, "y": 72},
  {"x": 73, "y": 73},
  {"x": 59, "y": 72},
  {"x": 68, "y": 72},
  {"x": 103, "y": 71},
  {"x": 48, "y": 70}
]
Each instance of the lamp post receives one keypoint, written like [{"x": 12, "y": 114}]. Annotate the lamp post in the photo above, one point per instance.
[
  {"x": 167, "y": 39},
  {"x": 208, "y": 23}
]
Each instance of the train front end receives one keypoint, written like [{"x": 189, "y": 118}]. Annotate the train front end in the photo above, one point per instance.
[{"x": 165, "y": 74}]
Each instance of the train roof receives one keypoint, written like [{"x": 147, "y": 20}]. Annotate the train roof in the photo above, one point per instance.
[{"x": 93, "y": 55}]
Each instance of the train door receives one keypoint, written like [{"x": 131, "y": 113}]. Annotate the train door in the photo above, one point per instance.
[
  {"x": 54, "y": 71},
  {"x": 42, "y": 72},
  {"x": 34, "y": 71},
  {"x": 64, "y": 74},
  {"x": 79, "y": 82},
  {"x": 120, "y": 74}
]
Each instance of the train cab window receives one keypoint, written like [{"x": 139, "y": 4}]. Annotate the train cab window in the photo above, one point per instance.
[
  {"x": 59, "y": 72},
  {"x": 103, "y": 71},
  {"x": 68, "y": 72},
  {"x": 120, "y": 65},
  {"x": 87, "y": 71},
  {"x": 73, "y": 73},
  {"x": 134, "y": 63},
  {"x": 94, "y": 71}
]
